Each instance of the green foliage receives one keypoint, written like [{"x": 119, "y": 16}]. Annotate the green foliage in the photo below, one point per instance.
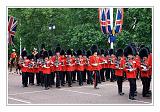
[{"x": 77, "y": 28}]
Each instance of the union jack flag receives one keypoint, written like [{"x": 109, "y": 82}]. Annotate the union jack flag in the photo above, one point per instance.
[
  {"x": 119, "y": 20},
  {"x": 104, "y": 18},
  {"x": 12, "y": 25}
]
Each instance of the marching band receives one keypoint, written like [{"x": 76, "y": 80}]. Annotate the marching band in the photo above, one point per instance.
[{"x": 94, "y": 66}]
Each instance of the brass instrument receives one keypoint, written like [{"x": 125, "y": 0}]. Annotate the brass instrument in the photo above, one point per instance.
[
  {"x": 31, "y": 65},
  {"x": 144, "y": 65},
  {"x": 110, "y": 60},
  {"x": 56, "y": 63},
  {"x": 129, "y": 65},
  {"x": 68, "y": 61},
  {"x": 78, "y": 61},
  {"x": 117, "y": 63}
]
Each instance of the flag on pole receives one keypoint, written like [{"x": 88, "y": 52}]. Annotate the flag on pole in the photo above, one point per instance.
[
  {"x": 119, "y": 20},
  {"x": 104, "y": 18},
  {"x": 12, "y": 25}
]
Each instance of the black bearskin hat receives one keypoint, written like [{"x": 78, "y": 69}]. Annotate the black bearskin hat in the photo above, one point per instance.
[
  {"x": 111, "y": 51},
  {"x": 119, "y": 53},
  {"x": 83, "y": 52},
  {"x": 45, "y": 54},
  {"x": 24, "y": 53},
  {"x": 50, "y": 53},
  {"x": 69, "y": 52},
  {"x": 42, "y": 46},
  {"x": 94, "y": 49},
  {"x": 79, "y": 52},
  {"x": 106, "y": 52},
  {"x": 141, "y": 46},
  {"x": 58, "y": 49},
  {"x": 128, "y": 51},
  {"x": 148, "y": 50},
  {"x": 98, "y": 52},
  {"x": 143, "y": 53},
  {"x": 102, "y": 51},
  {"x": 62, "y": 52},
  {"x": 89, "y": 53},
  {"x": 74, "y": 53}
]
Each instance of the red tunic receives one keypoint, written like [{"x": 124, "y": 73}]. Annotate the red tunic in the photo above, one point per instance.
[
  {"x": 13, "y": 55},
  {"x": 103, "y": 62},
  {"x": 31, "y": 69},
  {"x": 150, "y": 63},
  {"x": 70, "y": 62},
  {"x": 57, "y": 67},
  {"x": 80, "y": 67},
  {"x": 46, "y": 67},
  {"x": 131, "y": 74},
  {"x": 112, "y": 62},
  {"x": 94, "y": 60},
  {"x": 119, "y": 71},
  {"x": 88, "y": 65},
  {"x": 63, "y": 63},
  {"x": 107, "y": 64},
  {"x": 145, "y": 73},
  {"x": 24, "y": 67}
]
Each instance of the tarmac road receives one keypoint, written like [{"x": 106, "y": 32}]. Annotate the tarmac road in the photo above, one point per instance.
[{"x": 85, "y": 95}]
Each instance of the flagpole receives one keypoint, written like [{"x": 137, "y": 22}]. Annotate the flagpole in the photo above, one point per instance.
[
  {"x": 20, "y": 46},
  {"x": 111, "y": 19}
]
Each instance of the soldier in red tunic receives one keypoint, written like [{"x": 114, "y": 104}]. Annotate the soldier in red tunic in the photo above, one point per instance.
[
  {"x": 107, "y": 73},
  {"x": 94, "y": 61},
  {"x": 24, "y": 66},
  {"x": 111, "y": 62},
  {"x": 103, "y": 61},
  {"x": 13, "y": 57},
  {"x": 89, "y": 68},
  {"x": 31, "y": 69},
  {"x": 46, "y": 70},
  {"x": 130, "y": 68},
  {"x": 69, "y": 66},
  {"x": 63, "y": 64},
  {"x": 119, "y": 65},
  {"x": 57, "y": 65},
  {"x": 80, "y": 66},
  {"x": 144, "y": 69}
]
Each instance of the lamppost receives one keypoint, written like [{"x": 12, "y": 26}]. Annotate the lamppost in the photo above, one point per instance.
[{"x": 52, "y": 27}]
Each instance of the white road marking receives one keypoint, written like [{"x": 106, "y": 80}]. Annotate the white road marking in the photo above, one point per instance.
[
  {"x": 139, "y": 101},
  {"x": 19, "y": 100},
  {"x": 28, "y": 92},
  {"x": 80, "y": 92}
]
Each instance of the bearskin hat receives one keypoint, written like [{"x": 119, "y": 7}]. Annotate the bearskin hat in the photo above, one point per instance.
[
  {"x": 106, "y": 52},
  {"x": 98, "y": 52},
  {"x": 62, "y": 52},
  {"x": 42, "y": 46},
  {"x": 141, "y": 46},
  {"x": 143, "y": 53},
  {"x": 58, "y": 49},
  {"x": 74, "y": 53},
  {"x": 69, "y": 52},
  {"x": 128, "y": 51},
  {"x": 45, "y": 54},
  {"x": 102, "y": 51},
  {"x": 89, "y": 53},
  {"x": 119, "y": 53},
  {"x": 50, "y": 53},
  {"x": 111, "y": 51},
  {"x": 148, "y": 50},
  {"x": 94, "y": 49},
  {"x": 79, "y": 52},
  {"x": 24, "y": 53},
  {"x": 83, "y": 52}
]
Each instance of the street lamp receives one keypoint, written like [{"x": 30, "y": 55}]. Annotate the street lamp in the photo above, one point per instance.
[{"x": 52, "y": 27}]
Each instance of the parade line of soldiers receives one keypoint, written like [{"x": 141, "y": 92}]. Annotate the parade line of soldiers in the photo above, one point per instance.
[{"x": 93, "y": 67}]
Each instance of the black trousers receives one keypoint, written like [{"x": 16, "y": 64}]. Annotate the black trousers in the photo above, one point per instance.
[
  {"x": 119, "y": 83},
  {"x": 112, "y": 78},
  {"x": 84, "y": 75},
  {"x": 42, "y": 78},
  {"x": 80, "y": 75},
  {"x": 149, "y": 83},
  {"x": 73, "y": 75},
  {"x": 107, "y": 74},
  {"x": 62, "y": 77},
  {"x": 38, "y": 78},
  {"x": 24, "y": 78},
  {"x": 58, "y": 75},
  {"x": 132, "y": 83},
  {"x": 89, "y": 77},
  {"x": 52, "y": 77},
  {"x": 145, "y": 82},
  {"x": 96, "y": 77},
  {"x": 31, "y": 78},
  {"x": 46, "y": 80},
  {"x": 69, "y": 77},
  {"x": 102, "y": 74}
]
